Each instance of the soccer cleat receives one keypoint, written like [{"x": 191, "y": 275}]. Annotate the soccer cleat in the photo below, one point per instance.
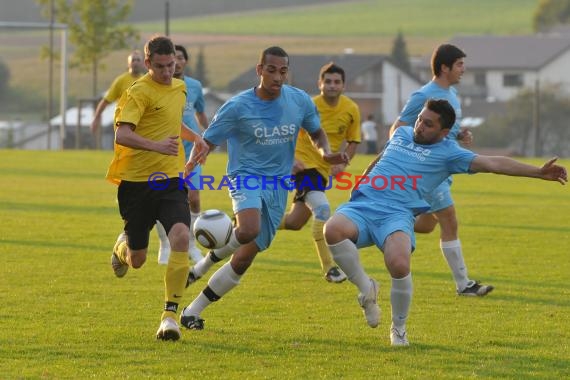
[
  {"x": 191, "y": 322},
  {"x": 120, "y": 268},
  {"x": 398, "y": 336},
  {"x": 195, "y": 254},
  {"x": 476, "y": 289},
  {"x": 191, "y": 278},
  {"x": 335, "y": 275},
  {"x": 369, "y": 304},
  {"x": 168, "y": 330}
]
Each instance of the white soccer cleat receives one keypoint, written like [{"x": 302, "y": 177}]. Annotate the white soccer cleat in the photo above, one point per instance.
[
  {"x": 168, "y": 330},
  {"x": 398, "y": 336},
  {"x": 368, "y": 302}
]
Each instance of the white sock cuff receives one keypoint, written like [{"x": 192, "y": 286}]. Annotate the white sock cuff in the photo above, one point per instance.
[
  {"x": 345, "y": 246},
  {"x": 195, "y": 214},
  {"x": 403, "y": 283},
  {"x": 450, "y": 244}
]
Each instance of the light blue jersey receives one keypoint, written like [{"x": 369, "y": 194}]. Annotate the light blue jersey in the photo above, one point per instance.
[
  {"x": 261, "y": 137},
  {"x": 432, "y": 90},
  {"x": 194, "y": 103},
  {"x": 408, "y": 171},
  {"x": 397, "y": 184},
  {"x": 440, "y": 198},
  {"x": 262, "y": 134}
]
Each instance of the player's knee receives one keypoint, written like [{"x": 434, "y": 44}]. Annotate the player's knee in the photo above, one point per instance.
[
  {"x": 246, "y": 234},
  {"x": 334, "y": 232},
  {"x": 138, "y": 259}
]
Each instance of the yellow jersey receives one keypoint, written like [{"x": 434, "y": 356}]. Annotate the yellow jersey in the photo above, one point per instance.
[
  {"x": 340, "y": 123},
  {"x": 120, "y": 85},
  {"x": 156, "y": 111}
]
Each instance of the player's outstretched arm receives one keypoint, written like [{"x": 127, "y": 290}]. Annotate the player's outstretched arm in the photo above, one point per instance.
[
  {"x": 320, "y": 141},
  {"x": 507, "y": 166}
]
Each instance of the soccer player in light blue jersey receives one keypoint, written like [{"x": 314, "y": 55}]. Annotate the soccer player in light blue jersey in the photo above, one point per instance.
[
  {"x": 195, "y": 118},
  {"x": 260, "y": 126},
  {"x": 448, "y": 65},
  {"x": 382, "y": 209}
]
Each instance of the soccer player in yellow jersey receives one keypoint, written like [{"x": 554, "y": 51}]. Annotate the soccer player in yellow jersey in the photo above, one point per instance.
[
  {"x": 147, "y": 161},
  {"x": 136, "y": 69},
  {"x": 340, "y": 119}
]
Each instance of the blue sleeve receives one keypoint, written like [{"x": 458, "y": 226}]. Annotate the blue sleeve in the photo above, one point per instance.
[
  {"x": 200, "y": 104},
  {"x": 413, "y": 108},
  {"x": 312, "y": 120},
  {"x": 459, "y": 159},
  {"x": 222, "y": 124}
]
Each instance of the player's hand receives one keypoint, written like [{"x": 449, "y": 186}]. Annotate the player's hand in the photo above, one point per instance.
[
  {"x": 168, "y": 146},
  {"x": 336, "y": 158},
  {"x": 552, "y": 172},
  {"x": 198, "y": 155},
  {"x": 465, "y": 137},
  {"x": 335, "y": 169},
  {"x": 298, "y": 166}
]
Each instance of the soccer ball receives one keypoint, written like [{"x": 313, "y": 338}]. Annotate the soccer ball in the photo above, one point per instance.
[{"x": 213, "y": 229}]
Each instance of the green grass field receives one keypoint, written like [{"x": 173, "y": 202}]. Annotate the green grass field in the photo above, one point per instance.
[{"x": 65, "y": 315}]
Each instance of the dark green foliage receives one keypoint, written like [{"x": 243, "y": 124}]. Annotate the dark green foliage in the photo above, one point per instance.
[
  {"x": 550, "y": 13},
  {"x": 200, "y": 71},
  {"x": 400, "y": 54},
  {"x": 95, "y": 29}
]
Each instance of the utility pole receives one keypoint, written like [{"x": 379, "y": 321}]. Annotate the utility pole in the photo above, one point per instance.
[
  {"x": 536, "y": 119},
  {"x": 167, "y": 17},
  {"x": 50, "y": 74}
]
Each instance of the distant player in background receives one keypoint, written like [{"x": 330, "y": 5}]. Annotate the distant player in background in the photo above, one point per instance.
[
  {"x": 340, "y": 119},
  {"x": 195, "y": 118},
  {"x": 423, "y": 157},
  {"x": 370, "y": 135},
  {"x": 448, "y": 65},
  {"x": 136, "y": 69},
  {"x": 260, "y": 126},
  {"x": 148, "y": 127}
]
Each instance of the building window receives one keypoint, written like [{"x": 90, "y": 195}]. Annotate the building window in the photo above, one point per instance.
[
  {"x": 512, "y": 80},
  {"x": 480, "y": 79}
]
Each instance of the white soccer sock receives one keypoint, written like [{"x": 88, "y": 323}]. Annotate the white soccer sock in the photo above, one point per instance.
[
  {"x": 221, "y": 282},
  {"x": 401, "y": 298},
  {"x": 346, "y": 256},
  {"x": 202, "y": 266},
  {"x": 453, "y": 255},
  {"x": 164, "y": 246}
]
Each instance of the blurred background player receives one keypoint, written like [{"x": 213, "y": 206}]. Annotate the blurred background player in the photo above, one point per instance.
[
  {"x": 340, "y": 119},
  {"x": 195, "y": 118},
  {"x": 447, "y": 65},
  {"x": 370, "y": 135},
  {"x": 136, "y": 69}
]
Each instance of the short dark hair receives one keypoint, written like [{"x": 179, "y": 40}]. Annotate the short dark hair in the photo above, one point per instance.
[
  {"x": 158, "y": 45},
  {"x": 183, "y": 50},
  {"x": 273, "y": 50},
  {"x": 444, "y": 110},
  {"x": 445, "y": 54},
  {"x": 331, "y": 68}
]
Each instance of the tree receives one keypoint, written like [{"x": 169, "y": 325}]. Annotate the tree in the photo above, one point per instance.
[
  {"x": 550, "y": 13},
  {"x": 4, "y": 79},
  {"x": 400, "y": 54},
  {"x": 516, "y": 127},
  {"x": 95, "y": 29},
  {"x": 200, "y": 72}
]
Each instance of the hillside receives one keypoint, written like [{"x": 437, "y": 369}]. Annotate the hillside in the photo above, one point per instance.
[{"x": 152, "y": 10}]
